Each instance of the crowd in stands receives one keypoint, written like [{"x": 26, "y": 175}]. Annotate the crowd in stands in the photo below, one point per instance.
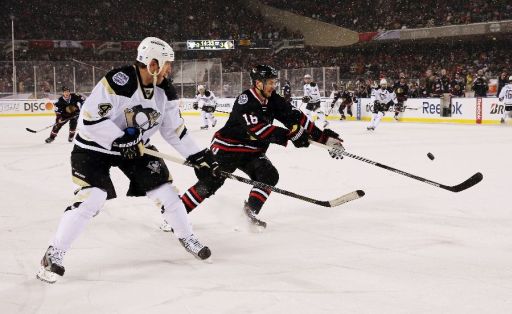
[
  {"x": 370, "y": 16},
  {"x": 114, "y": 20},
  {"x": 173, "y": 21}
]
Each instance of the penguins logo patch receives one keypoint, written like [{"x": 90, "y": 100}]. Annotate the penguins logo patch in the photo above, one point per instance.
[
  {"x": 243, "y": 99},
  {"x": 120, "y": 78},
  {"x": 104, "y": 108}
]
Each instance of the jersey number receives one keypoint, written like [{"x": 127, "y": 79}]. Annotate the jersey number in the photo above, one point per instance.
[{"x": 250, "y": 119}]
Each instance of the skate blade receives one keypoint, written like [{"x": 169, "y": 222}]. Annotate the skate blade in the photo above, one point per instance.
[{"x": 46, "y": 275}]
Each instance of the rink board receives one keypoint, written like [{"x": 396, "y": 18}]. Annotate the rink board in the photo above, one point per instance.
[{"x": 419, "y": 110}]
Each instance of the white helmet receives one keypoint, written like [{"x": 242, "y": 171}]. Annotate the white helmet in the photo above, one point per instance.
[
  {"x": 510, "y": 79},
  {"x": 154, "y": 48},
  {"x": 383, "y": 82},
  {"x": 201, "y": 88}
]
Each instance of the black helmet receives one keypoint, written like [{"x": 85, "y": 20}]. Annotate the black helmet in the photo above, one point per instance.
[{"x": 263, "y": 72}]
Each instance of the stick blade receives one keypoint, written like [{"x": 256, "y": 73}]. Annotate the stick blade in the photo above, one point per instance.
[
  {"x": 30, "y": 130},
  {"x": 473, "y": 180},
  {"x": 346, "y": 198}
]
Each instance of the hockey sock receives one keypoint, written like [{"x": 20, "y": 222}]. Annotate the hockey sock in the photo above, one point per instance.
[
  {"x": 257, "y": 197},
  {"x": 75, "y": 217},
  {"x": 173, "y": 209},
  {"x": 192, "y": 198}
]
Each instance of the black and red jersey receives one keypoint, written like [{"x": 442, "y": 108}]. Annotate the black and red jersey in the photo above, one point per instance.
[{"x": 250, "y": 125}]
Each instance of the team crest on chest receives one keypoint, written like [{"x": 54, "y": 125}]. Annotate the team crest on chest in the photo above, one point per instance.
[{"x": 142, "y": 118}]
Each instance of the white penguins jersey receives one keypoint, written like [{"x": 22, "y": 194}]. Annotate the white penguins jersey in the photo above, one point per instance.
[
  {"x": 312, "y": 91},
  {"x": 383, "y": 96},
  {"x": 206, "y": 100},
  {"x": 506, "y": 94},
  {"x": 120, "y": 101}
]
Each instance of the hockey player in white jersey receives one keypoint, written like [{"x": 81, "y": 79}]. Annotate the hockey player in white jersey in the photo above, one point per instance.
[
  {"x": 382, "y": 98},
  {"x": 206, "y": 102},
  {"x": 313, "y": 101},
  {"x": 506, "y": 97},
  {"x": 127, "y": 107}
]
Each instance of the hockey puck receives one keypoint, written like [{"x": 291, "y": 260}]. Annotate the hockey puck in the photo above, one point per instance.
[{"x": 430, "y": 156}]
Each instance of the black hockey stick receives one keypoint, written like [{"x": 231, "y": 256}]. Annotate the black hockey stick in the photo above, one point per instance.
[
  {"x": 50, "y": 126},
  {"x": 474, "y": 179},
  {"x": 332, "y": 203}
]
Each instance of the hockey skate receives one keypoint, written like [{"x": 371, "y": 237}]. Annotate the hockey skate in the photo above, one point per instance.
[
  {"x": 396, "y": 117},
  {"x": 204, "y": 127},
  {"x": 214, "y": 123},
  {"x": 192, "y": 245},
  {"x": 49, "y": 140},
  {"x": 371, "y": 128},
  {"x": 51, "y": 265},
  {"x": 254, "y": 221},
  {"x": 343, "y": 117},
  {"x": 70, "y": 139},
  {"x": 502, "y": 121},
  {"x": 326, "y": 123},
  {"x": 166, "y": 227}
]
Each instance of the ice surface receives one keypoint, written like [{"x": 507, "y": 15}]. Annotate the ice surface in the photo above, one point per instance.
[{"x": 406, "y": 247}]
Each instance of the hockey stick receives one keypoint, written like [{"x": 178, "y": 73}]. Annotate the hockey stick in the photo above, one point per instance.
[
  {"x": 474, "y": 179},
  {"x": 50, "y": 126},
  {"x": 332, "y": 203}
]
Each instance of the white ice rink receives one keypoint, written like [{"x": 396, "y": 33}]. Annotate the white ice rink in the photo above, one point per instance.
[{"x": 406, "y": 247}]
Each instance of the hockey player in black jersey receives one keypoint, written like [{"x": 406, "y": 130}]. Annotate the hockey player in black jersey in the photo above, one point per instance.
[
  {"x": 243, "y": 141},
  {"x": 347, "y": 100},
  {"x": 287, "y": 92},
  {"x": 67, "y": 108},
  {"x": 401, "y": 90}
]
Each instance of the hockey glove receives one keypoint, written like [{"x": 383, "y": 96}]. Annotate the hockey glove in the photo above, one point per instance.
[
  {"x": 306, "y": 99},
  {"x": 333, "y": 140},
  {"x": 128, "y": 144},
  {"x": 195, "y": 106},
  {"x": 71, "y": 109},
  {"x": 204, "y": 164},
  {"x": 299, "y": 136}
]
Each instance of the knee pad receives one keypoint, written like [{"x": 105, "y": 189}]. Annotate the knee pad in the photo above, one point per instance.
[
  {"x": 165, "y": 197},
  {"x": 89, "y": 201},
  {"x": 209, "y": 186},
  {"x": 267, "y": 175}
]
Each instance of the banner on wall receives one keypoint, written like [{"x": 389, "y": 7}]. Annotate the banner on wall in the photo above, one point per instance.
[
  {"x": 463, "y": 110},
  {"x": 26, "y": 107}
]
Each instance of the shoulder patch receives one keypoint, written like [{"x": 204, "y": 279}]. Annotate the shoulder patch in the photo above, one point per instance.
[
  {"x": 243, "y": 99},
  {"x": 120, "y": 78}
]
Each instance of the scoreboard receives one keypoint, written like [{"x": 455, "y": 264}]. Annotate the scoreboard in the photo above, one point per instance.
[{"x": 210, "y": 44}]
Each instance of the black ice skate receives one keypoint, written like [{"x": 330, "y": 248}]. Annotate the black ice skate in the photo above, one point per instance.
[
  {"x": 371, "y": 128},
  {"x": 396, "y": 117},
  {"x": 51, "y": 265},
  {"x": 204, "y": 127},
  {"x": 49, "y": 140},
  {"x": 502, "y": 121},
  {"x": 253, "y": 220},
  {"x": 343, "y": 117},
  {"x": 192, "y": 245},
  {"x": 70, "y": 139},
  {"x": 214, "y": 123}
]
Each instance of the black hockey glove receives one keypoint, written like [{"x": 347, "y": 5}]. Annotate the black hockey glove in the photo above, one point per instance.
[
  {"x": 306, "y": 99},
  {"x": 205, "y": 165},
  {"x": 333, "y": 140},
  {"x": 195, "y": 106},
  {"x": 299, "y": 136},
  {"x": 128, "y": 144}
]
